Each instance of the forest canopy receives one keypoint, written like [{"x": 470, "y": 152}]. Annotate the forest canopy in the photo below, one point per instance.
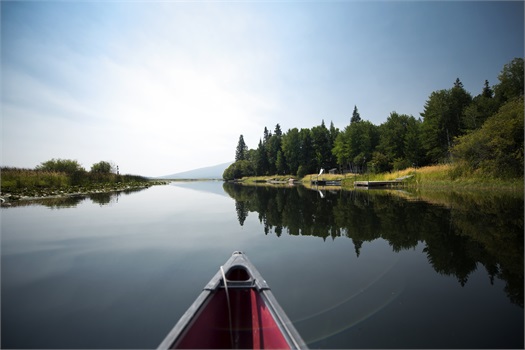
[{"x": 483, "y": 134}]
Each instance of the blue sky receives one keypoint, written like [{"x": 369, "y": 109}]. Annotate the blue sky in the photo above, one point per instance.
[{"x": 163, "y": 87}]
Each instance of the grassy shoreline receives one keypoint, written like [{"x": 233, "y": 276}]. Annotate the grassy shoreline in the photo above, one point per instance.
[
  {"x": 437, "y": 177},
  {"x": 29, "y": 184}
]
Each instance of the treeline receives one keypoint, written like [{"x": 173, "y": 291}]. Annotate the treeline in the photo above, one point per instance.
[
  {"x": 62, "y": 173},
  {"x": 481, "y": 134}
]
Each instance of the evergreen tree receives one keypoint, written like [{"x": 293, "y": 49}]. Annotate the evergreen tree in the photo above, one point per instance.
[
  {"x": 443, "y": 120},
  {"x": 278, "y": 131},
  {"x": 460, "y": 100},
  {"x": 280, "y": 163},
  {"x": 273, "y": 146},
  {"x": 355, "y": 116},
  {"x": 307, "y": 151},
  {"x": 334, "y": 132},
  {"x": 261, "y": 162},
  {"x": 267, "y": 135},
  {"x": 322, "y": 146},
  {"x": 240, "y": 153},
  {"x": 434, "y": 132},
  {"x": 413, "y": 150},
  {"x": 482, "y": 107},
  {"x": 458, "y": 83},
  {"x": 487, "y": 91}
]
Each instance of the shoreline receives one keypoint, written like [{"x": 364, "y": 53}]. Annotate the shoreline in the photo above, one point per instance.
[
  {"x": 437, "y": 177},
  {"x": 6, "y": 199}
]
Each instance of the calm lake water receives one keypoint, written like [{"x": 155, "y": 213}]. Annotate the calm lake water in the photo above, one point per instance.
[{"x": 352, "y": 269}]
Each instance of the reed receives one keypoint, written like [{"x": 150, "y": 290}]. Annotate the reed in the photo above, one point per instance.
[
  {"x": 33, "y": 182},
  {"x": 13, "y": 179}
]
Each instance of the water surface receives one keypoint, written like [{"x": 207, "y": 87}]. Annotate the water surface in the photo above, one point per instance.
[{"x": 363, "y": 269}]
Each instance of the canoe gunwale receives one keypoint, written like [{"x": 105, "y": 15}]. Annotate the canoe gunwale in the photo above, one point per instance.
[{"x": 255, "y": 281}]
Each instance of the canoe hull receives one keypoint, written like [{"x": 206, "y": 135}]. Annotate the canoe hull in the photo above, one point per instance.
[{"x": 242, "y": 314}]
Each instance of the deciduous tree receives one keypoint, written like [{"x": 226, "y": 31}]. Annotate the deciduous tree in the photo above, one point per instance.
[
  {"x": 67, "y": 166},
  {"x": 497, "y": 147},
  {"x": 101, "y": 167},
  {"x": 511, "y": 81}
]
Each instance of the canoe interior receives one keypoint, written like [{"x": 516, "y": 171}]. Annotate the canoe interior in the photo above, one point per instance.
[
  {"x": 253, "y": 325},
  {"x": 251, "y": 319}
]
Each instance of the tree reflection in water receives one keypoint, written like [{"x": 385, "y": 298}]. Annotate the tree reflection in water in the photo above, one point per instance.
[
  {"x": 71, "y": 201},
  {"x": 459, "y": 230}
]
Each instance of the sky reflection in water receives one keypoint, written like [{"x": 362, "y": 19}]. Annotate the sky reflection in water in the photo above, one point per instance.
[{"x": 352, "y": 270}]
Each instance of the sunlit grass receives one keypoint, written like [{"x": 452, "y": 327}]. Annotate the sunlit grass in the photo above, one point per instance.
[
  {"x": 16, "y": 178},
  {"x": 36, "y": 183},
  {"x": 441, "y": 176}
]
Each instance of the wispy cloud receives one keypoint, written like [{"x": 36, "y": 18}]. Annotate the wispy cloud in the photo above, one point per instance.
[{"x": 169, "y": 86}]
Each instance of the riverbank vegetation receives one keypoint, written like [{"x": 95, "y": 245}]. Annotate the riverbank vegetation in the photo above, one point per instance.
[
  {"x": 476, "y": 138},
  {"x": 438, "y": 177},
  {"x": 63, "y": 176}
]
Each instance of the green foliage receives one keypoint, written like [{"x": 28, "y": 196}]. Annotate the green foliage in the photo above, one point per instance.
[
  {"x": 307, "y": 151},
  {"x": 401, "y": 142},
  {"x": 497, "y": 148},
  {"x": 355, "y": 145},
  {"x": 67, "y": 166},
  {"x": 101, "y": 167},
  {"x": 291, "y": 145},
  {"x": 30, "y": 182},
  {"x": 356, "y": 118},
  {"x": 511, "y": 81},
  {"x": 280, "y": 163},
  {"x": 261, "y": 159},
  {"x": 238, "y": 170},
  {"x": 301, "y": 172},
  {"x": 13, "y": 179},
  {"x": 481, "y": 108},
  {"x": 322, "y": 147},
  {"x": 443, "y": 119},
  {"x": 240, "y": 152},
  {"x": 380, "y": 163},
  {"x": 273, "y": 147}
]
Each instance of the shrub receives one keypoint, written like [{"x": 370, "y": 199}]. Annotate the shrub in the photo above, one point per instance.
[{"x": 495, "y": 149}]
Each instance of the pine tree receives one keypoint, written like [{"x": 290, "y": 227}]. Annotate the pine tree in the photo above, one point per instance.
[
  {"x": 240, "y": 153},
  {"x": 278, "y": 131},
  {"x": 355, "y": 116},
  {"x": 267, "y": 135},
  {"x": 487, "y": 91},
  {"x": 261, "y": 160}
]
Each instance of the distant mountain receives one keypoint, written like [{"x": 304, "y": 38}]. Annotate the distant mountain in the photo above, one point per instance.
[{"x": 211, "y": 172}]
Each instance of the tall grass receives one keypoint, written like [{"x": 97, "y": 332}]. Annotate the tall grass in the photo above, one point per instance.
[
  {"x": 19, "y": 179},
  {"x": 441, "y": 176},
  {"x": 13, "y": 179}
]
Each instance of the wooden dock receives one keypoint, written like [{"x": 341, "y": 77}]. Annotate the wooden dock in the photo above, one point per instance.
[
  {"x": 369, "y": 184},
  {"x": 325, "y": 183}
]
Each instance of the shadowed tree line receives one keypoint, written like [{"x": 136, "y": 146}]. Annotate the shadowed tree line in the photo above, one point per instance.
[
  {"x": 481, "y": 134},
  {"x": 460, "y": 234}
]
